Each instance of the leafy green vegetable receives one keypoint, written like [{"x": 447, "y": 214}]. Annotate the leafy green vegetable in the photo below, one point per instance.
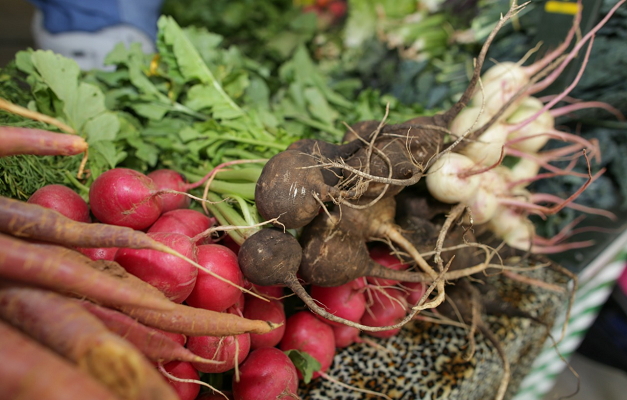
[{"x": 303, "y": 362}]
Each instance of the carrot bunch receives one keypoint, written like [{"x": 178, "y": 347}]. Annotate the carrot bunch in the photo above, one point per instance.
[{"x": 75, "y": 326}]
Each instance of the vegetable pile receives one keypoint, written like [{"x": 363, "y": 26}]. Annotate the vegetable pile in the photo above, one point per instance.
[{"x": 125, "y": 287}]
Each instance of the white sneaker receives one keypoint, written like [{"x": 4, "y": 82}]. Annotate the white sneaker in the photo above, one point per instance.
[{"x": 88, "y": 49}]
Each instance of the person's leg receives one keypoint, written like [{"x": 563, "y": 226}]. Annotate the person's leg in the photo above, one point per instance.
[{"x": 86, "y": 30}]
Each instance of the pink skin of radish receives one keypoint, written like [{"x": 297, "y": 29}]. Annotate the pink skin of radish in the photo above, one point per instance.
[
  {"x": 215, "y": 396},
  {"x": 345, "y": 335},
  {"x": 183, "y": 370},
  {"x": 219, "y": 349},
  {"x": 124, "y": 197},
  {"x": 415, "y": 290},
  {"x": 187, "y": 222},
  {"x": 343, "y": 301},
  {"x": 166, "y": 179},
  {"x": 62, "y": 199},
  {"x": 267, "y": 374},
  {"x": 99, "y": 253},
  {"x": 177, "y": 337},
  {"x": 305, "y": 332},
  {"x": 239, "y": 306},
  {"x": 230, "y": 243},
  {"x": 171, "y": 275},
  {"x": 273, "y": 292},
  {"x": 388, "y": 308},
  {"x": 266, "y": 311},
  {"x": 381, "y": 254},
  {"x": 209, "y": 292}
]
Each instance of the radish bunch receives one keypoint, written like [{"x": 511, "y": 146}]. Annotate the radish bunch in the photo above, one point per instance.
[{"x": 504, "y": 119}]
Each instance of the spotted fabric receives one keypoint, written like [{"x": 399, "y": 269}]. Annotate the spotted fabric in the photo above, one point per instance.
[{"x": 425, "y": 361}]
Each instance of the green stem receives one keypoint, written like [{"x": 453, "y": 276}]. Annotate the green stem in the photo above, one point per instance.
[
  {"x": 76, "y": 182},
  {"x": 226, "y": 215},
  {"x": 186, "y": 110},
  {"x": 227, "y": 138},
  {"x": 242, "y": 154},
  {"x": 245, "y": 209},
  {"x": 245, "y": 190},
  {"x": 317, "y": 125},
  {"x": 244, "y": 174}
]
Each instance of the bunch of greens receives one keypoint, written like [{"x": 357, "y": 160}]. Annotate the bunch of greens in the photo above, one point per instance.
[{"x": 194, "y": 105}]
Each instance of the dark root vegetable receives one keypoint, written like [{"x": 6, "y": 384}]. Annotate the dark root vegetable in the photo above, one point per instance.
[
  {"x": 292, "y": 188},
  {"x": 320, "y": 148},
  {"x": 272, "y": 257}
]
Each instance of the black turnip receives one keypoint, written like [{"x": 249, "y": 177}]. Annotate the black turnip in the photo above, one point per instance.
[{"x": 272, "y": 257}]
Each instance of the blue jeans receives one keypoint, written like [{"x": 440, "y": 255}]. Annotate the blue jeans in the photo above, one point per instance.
[{"x": 93, "y": 15}]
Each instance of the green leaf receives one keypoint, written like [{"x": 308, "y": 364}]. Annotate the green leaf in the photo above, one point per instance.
[
  {"x": 144, "y": 151},
  {"x": 24, "y": 62},
  {"x": 102, "y": 128},
  {"x": 89, "y": 103},
  {"x": 189, "y": 62},
  {"x": 81, "y": 102},
  {"x": 59, "y": 73},
  {"x": 154, "y": 111},
  {"x": 188, "y": 134},
  {"x": 318, "y": 106},
  {"x": 107, "y": 150},
  {"x": 119, "y": 55},
  {"x": 305, "y": 363}
]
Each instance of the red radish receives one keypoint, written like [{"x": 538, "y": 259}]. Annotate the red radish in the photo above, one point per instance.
[
  {"x": 183, "y": 370},
  {"x": 388, "y": 309},
  {"x": 210, "y": 293},
  {"x": 176, "y": 337},
  {"x": 275, "y": 292},
  {"x": 62, "y": 199},
  {"x": 415, "y": 292},
  {"x": 215, "y": 396},
  {"x": 338, "y": 9},
  {"x": 345, "y": 335},
  {"x": 238, "y": 307},
  {"x": 187, "y": 222},
  {"x": 267, "y": 374},
  {"x": 381, "y": 254},
  {"x": 99, "y": 253},
  {"x": 231, "y": 244},
  {"x": 343, "y": 301},
  {"x": 305, "y": 332},
  {"x": 267, "y": 311},
  {"x": 171, "y": 275},
  {"x": 170, "y": 180},
  {"x": 219, "y": 349},
  {"x": 125, "y": 197}
]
